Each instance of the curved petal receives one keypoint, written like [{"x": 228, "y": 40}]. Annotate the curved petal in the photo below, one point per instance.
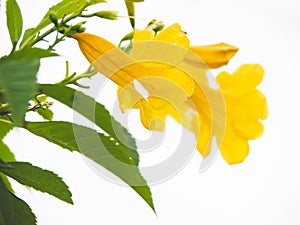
[
  {"x": 215, "y": 55},
  {"x": 143, "y": 35},
  {"x": 250, "y": 106},
  {"x": 249, "y": 130},
  {"x": 233, "y": 148},
  {"x": 173, "y": 34},
  {"x": 245, "y": 78},
  {"x": 245, "y": 106},
  {"x": 153, "y": 113},
  {"x": 128, "y": 97},
  {"x": 204, "y": 134}
]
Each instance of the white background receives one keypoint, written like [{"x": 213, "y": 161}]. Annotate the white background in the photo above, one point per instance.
[{"x": 262, "y": 190}]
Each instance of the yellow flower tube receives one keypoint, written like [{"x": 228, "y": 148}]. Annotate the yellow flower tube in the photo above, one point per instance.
[
  {"x": 94, "y": 47},
  {"x": 232, "y": 113}
]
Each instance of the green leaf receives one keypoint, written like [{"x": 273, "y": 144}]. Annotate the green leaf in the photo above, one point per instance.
[
  {"x": 14, "y": 20},
  {"x": 5, "y": 153},
  {"x": 97, "y": 113},
  {"x": 135, "y": 0},
  {"x": 14, "y": 211},
  {"x": 33, "y": 53},
  {"x": 37, "y": 178},
  {"x": 28, "y": 36},
  {"x": 130, "y": 11},
  {"x": 6, "y": 183},
  {"x": 47, "y": 114},
  {"x": 126, "y": 47},
  {"x": 127, "y": 37},
  {"x": 18, "y": 79},
  {"x": 93, "y": 111},
  {"x": 5, "y": 127},
  {"x": 65, "y": 8},
  {"x": 62, "y": 9},
  {"x": 101, "y": 149}
]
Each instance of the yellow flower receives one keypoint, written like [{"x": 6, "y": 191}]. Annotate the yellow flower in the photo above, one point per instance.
[
  {"x": 179, "y": 87},
  {"x": 245, "y": 106}
]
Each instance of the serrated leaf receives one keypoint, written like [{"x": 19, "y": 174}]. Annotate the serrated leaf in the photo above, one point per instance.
[
  {"x": 93, "y": 111},
  {"x": 6, "y": 155},
  {"x": 6, "y": 183},
  {"x": 37, "y": 178},
  {"x": 103, "y": 150},
  {"x": 18, "y": 79},
  {"x": 47, "y": 114},
  {"x": 5, "y": 127},
  {"x": 14, "y": 211},
  {"x": 14, "y": 20}
]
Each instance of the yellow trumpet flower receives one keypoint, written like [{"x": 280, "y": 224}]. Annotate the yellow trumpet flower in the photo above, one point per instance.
[{"x": 179, "y": 88}]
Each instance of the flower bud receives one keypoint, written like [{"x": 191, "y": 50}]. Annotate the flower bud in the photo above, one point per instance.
[
  {"x": 110, "y": 15},
  {"x": 53, "y": 18},
  {"x": 78, "y": 28}
]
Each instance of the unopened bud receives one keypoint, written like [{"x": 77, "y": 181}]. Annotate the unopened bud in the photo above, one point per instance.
[
  {"x": 78, "y": 28},
  {"x": 53, "y": 18},
  {"x": 110, "y": 15}
]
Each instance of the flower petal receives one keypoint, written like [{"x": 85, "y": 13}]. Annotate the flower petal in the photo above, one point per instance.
[
  {"x": 249, "y": 130},
  {"x": 233, "y": 148},
  {"x": 153, "y": 113},
  {"x": 143, "y": 35},
  {"x": 245, "y": 78},
  {"x": 245, "y": 106},
  {"x": 173, "y": 34},
  {"x": 128, "y": 97},
  {"x": 250, "y": 106},
  {"x": 215, "y": 55}
]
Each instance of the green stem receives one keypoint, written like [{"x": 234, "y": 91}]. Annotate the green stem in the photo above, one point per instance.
[
  {"x": 41, "y": 37},
  {"x": 13, "y": 48},
  {"x": 72, "y": 79},
  {"x": 51, "y": 30}
]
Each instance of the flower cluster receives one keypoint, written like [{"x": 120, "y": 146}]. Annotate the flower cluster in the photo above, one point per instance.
[{"x": 180, "y": 88}]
